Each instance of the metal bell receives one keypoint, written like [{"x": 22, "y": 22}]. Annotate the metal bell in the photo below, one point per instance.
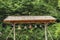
[
  {"x": 25, "y": 27},
  {"x": 40, "y": 25},
  {"x": 30, "y": 26},
  {"x": 35, "y": 26},
  {"x": 19, "y": 27}
]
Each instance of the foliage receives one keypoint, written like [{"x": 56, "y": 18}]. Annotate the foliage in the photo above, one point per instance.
[
  {"x": 33, "y": 33},
  {"x": 30, "y": 7}
]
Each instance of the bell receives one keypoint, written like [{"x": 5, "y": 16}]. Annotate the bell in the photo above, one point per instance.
[
  {"x": 30, "y": 26},
  {"x": 40, "y": 25},
  {"x": 35, "y": 26},
  {"x": 25, "y": 27},
  {"x": 19, "y": 27}
]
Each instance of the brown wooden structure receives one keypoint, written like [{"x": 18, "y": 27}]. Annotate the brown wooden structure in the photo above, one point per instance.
[{"x": 30, "y": 19}]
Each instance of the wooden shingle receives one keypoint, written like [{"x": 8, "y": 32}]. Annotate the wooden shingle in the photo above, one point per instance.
[{"x": 30, "y": 19}]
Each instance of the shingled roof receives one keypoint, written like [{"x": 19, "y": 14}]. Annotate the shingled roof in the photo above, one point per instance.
[{"x": 29, "y": 19}]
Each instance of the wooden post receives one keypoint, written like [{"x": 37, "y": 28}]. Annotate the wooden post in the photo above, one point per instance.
[
  {"x": 45, "y": 31},
  {"x": 14, "y": 30}
]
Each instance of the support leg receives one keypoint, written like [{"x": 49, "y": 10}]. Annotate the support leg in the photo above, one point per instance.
[
  {"x": 45, "y": 32},
  {"x": 14, "y": 30}
]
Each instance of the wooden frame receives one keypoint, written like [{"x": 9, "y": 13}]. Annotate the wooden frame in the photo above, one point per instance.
[{"x": 30, "y": 19}]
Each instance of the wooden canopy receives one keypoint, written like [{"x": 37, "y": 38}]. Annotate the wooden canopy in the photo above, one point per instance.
[{"x": 30, "y": 19}]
